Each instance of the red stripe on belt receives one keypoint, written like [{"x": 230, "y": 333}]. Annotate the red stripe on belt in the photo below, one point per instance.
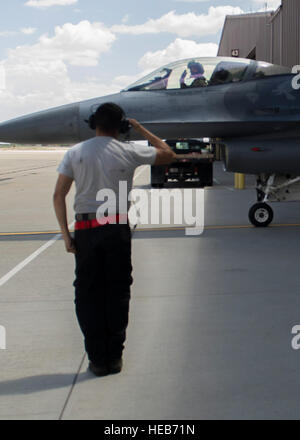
[{"x": 89, "y": 224}]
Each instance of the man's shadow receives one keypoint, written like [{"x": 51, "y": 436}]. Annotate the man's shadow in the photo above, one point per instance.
[{"x": 43, "y": 382}]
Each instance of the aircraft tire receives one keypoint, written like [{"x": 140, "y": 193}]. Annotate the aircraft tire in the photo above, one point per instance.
[{"x": 261, "y": 215}]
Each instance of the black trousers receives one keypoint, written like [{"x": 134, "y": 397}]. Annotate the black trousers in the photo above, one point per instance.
[{"x": 102, "y": 289}]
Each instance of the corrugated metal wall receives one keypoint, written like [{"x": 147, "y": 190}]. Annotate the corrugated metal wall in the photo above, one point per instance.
[
  {"x": 276, "y": 37},
  {"x": 291, "y": 32},
  {"x": 245, "y": 33},
  {"x": 263, "y": 42}
]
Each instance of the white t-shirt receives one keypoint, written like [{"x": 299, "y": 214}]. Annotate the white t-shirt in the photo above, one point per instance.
[{"x": 101, "y": 163}]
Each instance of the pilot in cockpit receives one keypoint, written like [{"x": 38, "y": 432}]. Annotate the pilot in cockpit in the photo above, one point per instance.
[
  {"x": 196, "y": 78},
  {"x": 221, "y": 76}
]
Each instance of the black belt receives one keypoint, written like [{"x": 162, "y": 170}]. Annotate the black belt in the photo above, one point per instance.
[{"x": 88, "y": 216}]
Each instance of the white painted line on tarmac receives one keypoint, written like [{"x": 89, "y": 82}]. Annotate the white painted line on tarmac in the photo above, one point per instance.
[{"x": 31, "y": 257}]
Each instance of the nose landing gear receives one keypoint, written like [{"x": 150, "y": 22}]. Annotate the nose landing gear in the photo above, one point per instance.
[
  {"x": 273, "y": 188},
  {"x": 261, "y": 215}
]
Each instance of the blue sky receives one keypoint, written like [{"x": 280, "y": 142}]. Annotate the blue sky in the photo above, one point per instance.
[{"x": 59, "y": 51}]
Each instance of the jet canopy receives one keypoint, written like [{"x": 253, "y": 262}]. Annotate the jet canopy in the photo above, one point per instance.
[{"x": 203, "y": 72}]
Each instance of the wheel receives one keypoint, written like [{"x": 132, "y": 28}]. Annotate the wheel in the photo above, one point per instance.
[{"x": 261, "y": 215}]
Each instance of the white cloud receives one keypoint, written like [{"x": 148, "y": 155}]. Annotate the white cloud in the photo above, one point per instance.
[
  {"x": 48, "y": 3},
  {"x": 77, "y": 44},
  {"x": 37, "y": 75},
  {"x": 177, "y": 50},
  {"x": 28, "y": 30},
  {"x": 183, "y": 25}
]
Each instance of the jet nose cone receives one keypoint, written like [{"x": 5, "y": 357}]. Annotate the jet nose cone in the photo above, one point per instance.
[{"x": 54, "y": 126}]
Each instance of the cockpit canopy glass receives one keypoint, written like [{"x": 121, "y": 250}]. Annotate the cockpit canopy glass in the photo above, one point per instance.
[
  {"x": 266, "y": 69},
  {"x": 203, "y": 72}
]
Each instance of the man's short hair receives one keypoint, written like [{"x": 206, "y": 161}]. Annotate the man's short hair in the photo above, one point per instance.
[{"x": 109, "y": 116}]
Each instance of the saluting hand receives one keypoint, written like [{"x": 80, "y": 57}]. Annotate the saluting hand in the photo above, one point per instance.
[
  {"x": 183, "y": 76},
  {"x": 135, "y": 124}
]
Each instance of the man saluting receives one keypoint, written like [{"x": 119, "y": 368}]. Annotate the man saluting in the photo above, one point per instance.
[{"x": 103, "y": 251}]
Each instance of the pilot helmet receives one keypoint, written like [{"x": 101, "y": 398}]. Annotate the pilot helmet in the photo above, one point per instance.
[{"x": 197, "y": 66}]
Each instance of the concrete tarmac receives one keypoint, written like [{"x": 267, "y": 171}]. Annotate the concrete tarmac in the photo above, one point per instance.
[{"x": 210, "y": 319}]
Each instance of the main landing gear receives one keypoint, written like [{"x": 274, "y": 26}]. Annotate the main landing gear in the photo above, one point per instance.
[{"x": 272, "y": 188}]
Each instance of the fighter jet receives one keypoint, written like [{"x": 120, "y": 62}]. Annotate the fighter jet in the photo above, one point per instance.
[{"x": 252, "y": 108}]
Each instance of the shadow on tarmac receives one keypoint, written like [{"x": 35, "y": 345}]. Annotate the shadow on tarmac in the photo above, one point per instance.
[{"x": 43, "y": 382}]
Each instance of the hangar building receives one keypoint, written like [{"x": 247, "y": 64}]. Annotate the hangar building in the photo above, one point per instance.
[{"x": 265, "y": 36}]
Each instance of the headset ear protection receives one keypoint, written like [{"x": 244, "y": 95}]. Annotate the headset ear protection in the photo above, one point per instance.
[
  {"x": 124, "y": 127},
  {"x": 91, "y": 121}
]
